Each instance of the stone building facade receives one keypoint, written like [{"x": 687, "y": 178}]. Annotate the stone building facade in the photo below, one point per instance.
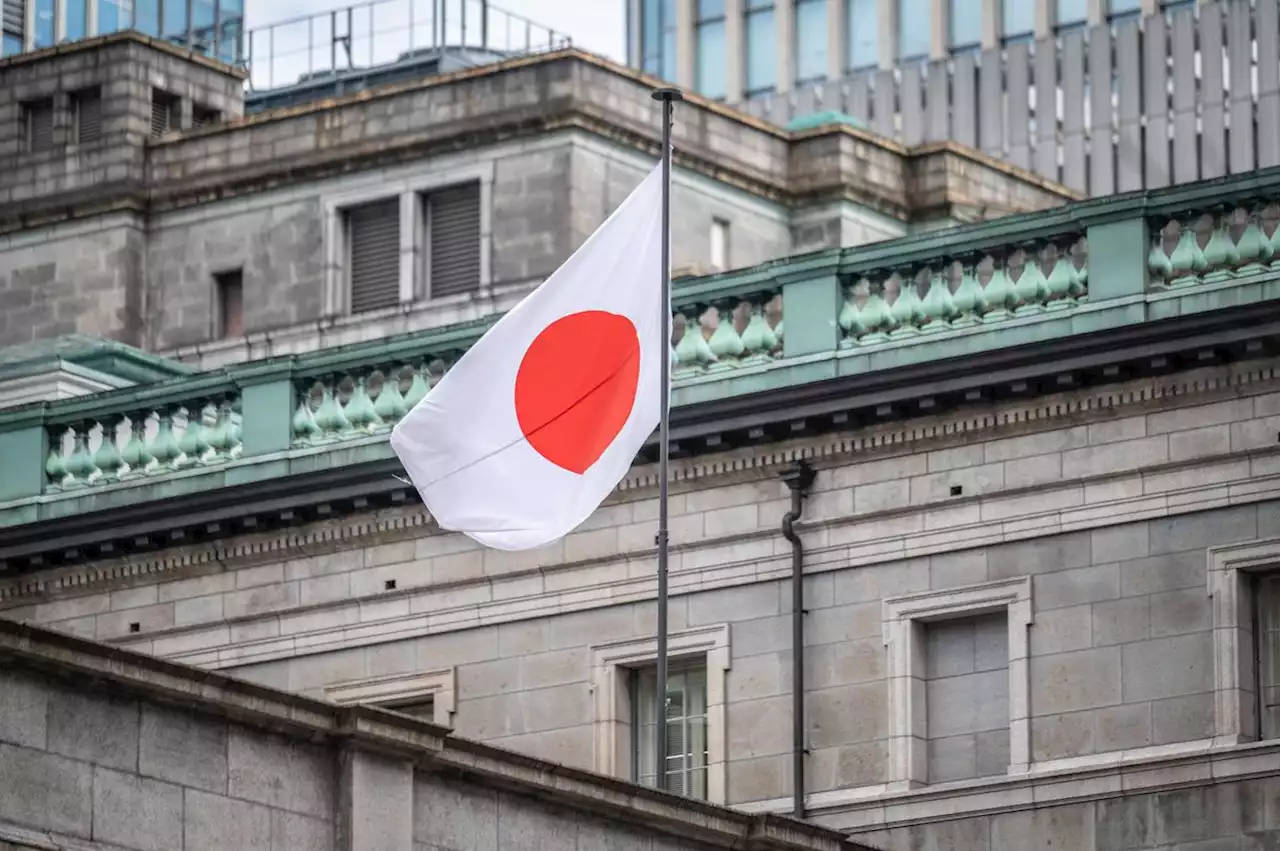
[
  {"x": 103, "y": 750},
  {"x": 169, "y": 221},
  {"x": 1038, "y": 547}
]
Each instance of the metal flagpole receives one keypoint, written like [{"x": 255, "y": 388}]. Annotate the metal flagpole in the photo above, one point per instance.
[{"x": 668, "y": 97}]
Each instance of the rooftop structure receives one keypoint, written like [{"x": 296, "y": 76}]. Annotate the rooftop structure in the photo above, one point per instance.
[
  {"x": 1103, "y": 96},
  {"x": 158, "y": 215}
]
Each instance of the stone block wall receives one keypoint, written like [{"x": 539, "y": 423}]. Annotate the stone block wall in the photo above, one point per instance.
[
  {"x": 125, "y": 70},
  {"x": 128, "y": 773},
  {"x": 83, "y": 277},
  {"x": 100, "y": 750},
  {"x": 278, "y": 248}
]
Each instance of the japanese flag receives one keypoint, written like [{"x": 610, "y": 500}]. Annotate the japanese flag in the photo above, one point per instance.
[{"x": 538, "y": 422}]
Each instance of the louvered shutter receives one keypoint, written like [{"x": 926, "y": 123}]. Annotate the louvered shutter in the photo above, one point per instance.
[
  {"x": 13, "y": 18},
  {"x": 40, "y": 125},
  {"x": 88, "y": 116},
  {"x": 162, "y": 109},
  {"x": 373, "y": 234},
  {"x": 453, "y": 216}
]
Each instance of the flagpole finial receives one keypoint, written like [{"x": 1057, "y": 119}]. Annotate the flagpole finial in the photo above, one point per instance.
[{"x": 668, "y": 94}]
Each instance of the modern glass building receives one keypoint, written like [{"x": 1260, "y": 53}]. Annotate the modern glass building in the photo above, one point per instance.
[
  {"x": 212, "y": 27},
  {"x": 737, "y": 49}
]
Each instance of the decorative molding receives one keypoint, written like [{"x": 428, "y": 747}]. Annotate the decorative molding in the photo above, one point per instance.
[
  {"x": 902, "y": 628},
  {"x": 610, "y": 664},
  {"x": 410, "y": 522},
  {"x": 1234, "y": 676},
  {"x": 439, "y": 685}
]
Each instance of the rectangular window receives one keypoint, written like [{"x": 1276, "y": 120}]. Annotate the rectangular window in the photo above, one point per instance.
[
  {"x": 686, "y": 723},
  {"x": 863, "y": 38},
  {"x": 1018, "y": 21},
  {"x": 37, "y": 124},
  {"x": 713, "y": 57},
  {"x": 762, "y": 47},
  {"x": 174, "y": 20},
  {"x": 373, "y": 255},
  {"x": 914, "y": 20},
  {"x": 114, "y": 15},
  {"x": 1072, "y": 13},
  {"x": 10, "y": 44},
  {"x": 967, "y": 697},
  {"x": 147, "y": 17},
  {"x": 203, "y": 116},
  {"x": 811, "y": 41},
  {"x": 1267, "y": 631},
  {"x": 453, "y": 244},
  {"x": 719, "y": 245},
  {"x": 86, "y": 106},
  {"x": 658, "y": 38},
  {"x": 164, "y": 112},
  {"x": 76, "y": 19},
  {"x": 45, "y": 26},
  {"x": 966, "y": 26},
  {"x": 229, "y": 293}
]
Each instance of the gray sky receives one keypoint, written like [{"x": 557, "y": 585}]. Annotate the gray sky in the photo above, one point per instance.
[{"x": 594, "y": 25}]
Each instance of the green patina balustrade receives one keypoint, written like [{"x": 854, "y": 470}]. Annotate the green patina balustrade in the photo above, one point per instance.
[
  {"x": 1099, "y": 264},
  {"x": 1220, "y": 244}
]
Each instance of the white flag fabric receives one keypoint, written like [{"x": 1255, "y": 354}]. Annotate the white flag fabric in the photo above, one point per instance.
[{"x": 538, "y": 422}]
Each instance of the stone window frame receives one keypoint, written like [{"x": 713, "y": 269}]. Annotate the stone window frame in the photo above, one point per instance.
[
  {"x": 409, "y": 190},
  {"x": 611, "y": 664},
  {"x": 903, "y": 621},
  {"x": 1230, "y": 569},
  {"x": 439, "y": 685}
]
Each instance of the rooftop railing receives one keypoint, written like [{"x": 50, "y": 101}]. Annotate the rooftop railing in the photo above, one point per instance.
[
  {"x": 383, "y": 32},
  {"x": 1091, "y": 266}
]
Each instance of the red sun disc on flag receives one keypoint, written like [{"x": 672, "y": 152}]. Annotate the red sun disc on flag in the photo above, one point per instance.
[{"x": 576, "y": 387}]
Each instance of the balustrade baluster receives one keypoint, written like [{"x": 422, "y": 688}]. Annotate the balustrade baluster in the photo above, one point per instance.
[
  {"x": 55, "y": 466},
  {"x": 136, "y": 454},
  {"x": 193, "y": 443},
  {"x": 390, "y": 406},
  {"x": 969, "y": 301},
  {"x": 80, "y": 465},
  {"x": 359, "y": 410},
  {"x": 108, "y": 459},
  {"x": 725, "y": 344},
  {"x": 305, "y": 428},
  {"x": 165, "y": 447}
]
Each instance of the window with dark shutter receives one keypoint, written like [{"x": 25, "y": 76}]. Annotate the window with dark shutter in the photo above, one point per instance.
[
  {"x": 87, "y": 105},
  {"x": 164, "y": 112},
  {"x": 202, "y": 116},
  {"x": 229, "y": 288},
  {"x": 37, "y": 124},
  {"x": 373, "y": 246},
  {"x": 453, "y": 222},
  {"x": 13, "y": 17}
]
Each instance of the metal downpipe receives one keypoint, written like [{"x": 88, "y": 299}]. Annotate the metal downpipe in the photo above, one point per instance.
[{"x": 799, "y": 478}]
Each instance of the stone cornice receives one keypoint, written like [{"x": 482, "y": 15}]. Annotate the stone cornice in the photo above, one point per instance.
[
  {"x": 400, "y": 523},
  {"x": 430, "y": 747}
]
